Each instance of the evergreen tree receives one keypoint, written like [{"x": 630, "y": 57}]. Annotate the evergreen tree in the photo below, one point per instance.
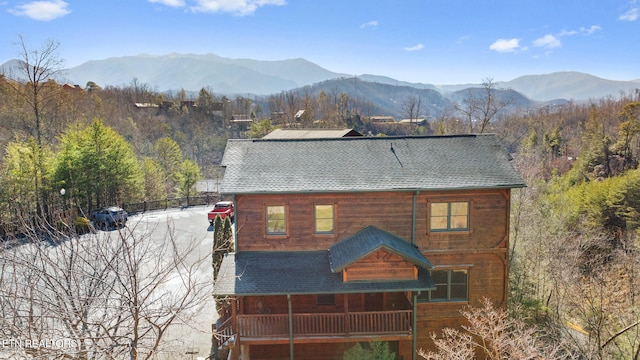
[
  {"x": 187, "y": 178},
  {"x": 377, "y": 350},
  {"x": 99, "y": 167}
]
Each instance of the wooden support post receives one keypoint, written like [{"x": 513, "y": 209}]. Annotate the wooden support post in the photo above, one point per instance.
[
  {"x": 414, "y": 325},
  {"x": 290, "y": 327},
  {"x": 347, "y": 322},
  {"x": 234, "y": 315}
]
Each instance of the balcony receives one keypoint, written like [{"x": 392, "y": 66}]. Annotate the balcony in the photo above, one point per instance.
[{"x": 351, "y": 326}]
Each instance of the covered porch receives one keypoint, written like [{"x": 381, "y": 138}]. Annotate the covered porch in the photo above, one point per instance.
[
  {"x": 357, "y": 326},
  {"x": 358, "y": 317}
]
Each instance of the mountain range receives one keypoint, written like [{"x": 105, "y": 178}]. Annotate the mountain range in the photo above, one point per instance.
[{"x": 228, "y": 76}]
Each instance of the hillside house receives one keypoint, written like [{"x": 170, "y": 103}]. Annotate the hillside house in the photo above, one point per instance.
[
  {"x": 347, "y": 240},
  {"x": 409, "y": 122},
  {"x": 382, "y": 119}
]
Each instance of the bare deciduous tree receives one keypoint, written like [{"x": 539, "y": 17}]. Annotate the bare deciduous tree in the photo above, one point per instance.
[
  {"x": 412, "y": 108},
  {"x": 492, "y": 334},
  {"x": 102, "y": 296},
  {"x": 481, "y": 106},
  {"x": 38, "y": 66},
  {"x": 595, "y": 294}
]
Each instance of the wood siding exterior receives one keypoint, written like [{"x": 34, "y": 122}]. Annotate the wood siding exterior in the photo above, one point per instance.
[
  {"x": 307, "y": 351},
  {"x": 389, "y": 211},
  {"x": 380, "y": 265},
  {"x": 482, "y": 250}
]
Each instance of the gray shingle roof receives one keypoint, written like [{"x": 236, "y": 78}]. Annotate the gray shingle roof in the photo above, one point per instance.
[
  {"x": 367, "y": 164},
  {"x": 303, "y": 272},
  {"x": 368, "y": 240}
]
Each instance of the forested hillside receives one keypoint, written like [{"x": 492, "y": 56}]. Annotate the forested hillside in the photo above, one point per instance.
[
  {"x": 574, "y": 247},
  {"x": 574, "y": 252}
]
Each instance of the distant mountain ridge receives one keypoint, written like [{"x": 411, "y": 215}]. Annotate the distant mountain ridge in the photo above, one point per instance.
[
  {"x": 376, "y": 98},
  {"x": 568, "y": 85},
  {"x": 192, "y": 72}
]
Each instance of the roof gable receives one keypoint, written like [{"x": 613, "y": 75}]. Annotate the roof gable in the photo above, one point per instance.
[
  {"x": 381, "y": 265},
  {"x": 367, "y": 164},
  {"x": 369, "y": 240}
]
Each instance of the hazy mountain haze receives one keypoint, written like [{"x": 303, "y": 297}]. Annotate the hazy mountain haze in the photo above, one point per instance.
[{"x": 230, "y": 76}]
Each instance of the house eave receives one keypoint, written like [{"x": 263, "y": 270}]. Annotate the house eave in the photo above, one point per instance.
[{"x": 331, "y": 191}]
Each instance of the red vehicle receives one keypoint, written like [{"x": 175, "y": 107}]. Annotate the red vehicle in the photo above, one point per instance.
[{"x": 223, "y": 209}]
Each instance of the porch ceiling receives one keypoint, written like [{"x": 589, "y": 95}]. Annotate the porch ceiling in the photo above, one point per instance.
[{"x": 295, "y": 273}]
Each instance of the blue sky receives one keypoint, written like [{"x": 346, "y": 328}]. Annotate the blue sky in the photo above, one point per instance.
[{"x": 429, "y": 41}]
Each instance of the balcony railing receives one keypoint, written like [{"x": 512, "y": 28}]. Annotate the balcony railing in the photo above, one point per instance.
[{"x": 326, "y": 324}]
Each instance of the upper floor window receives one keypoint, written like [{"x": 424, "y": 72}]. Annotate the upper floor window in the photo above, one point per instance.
[
  {"x": 324, "y": 223},
  {"x": 451, "y": 285},
  {"x": 449, "y": 216},
  {"x": 276, "y": 220}
]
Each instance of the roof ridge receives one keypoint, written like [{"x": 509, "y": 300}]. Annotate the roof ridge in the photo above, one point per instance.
[{"x": 369, "y": 138}]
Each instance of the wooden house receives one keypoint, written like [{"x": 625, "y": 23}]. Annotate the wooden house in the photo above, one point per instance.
[{"x": 347, "y": 240}]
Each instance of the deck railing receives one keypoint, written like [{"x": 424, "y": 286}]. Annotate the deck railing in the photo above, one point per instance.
[
  {"x": 225, "y": 330},
  {"x": 326, "y": 324},
  {"x": 380, "y": 322}
]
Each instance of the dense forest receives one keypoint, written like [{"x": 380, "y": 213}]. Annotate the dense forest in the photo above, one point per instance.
[{"x": 575, "y": 265}]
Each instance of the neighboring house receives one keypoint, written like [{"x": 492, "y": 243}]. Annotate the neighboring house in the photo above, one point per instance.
[
  {"x": 419, "y": 121},
  {"x": 382, "y": 119},
  {"x": 348, "y": 240},
  {"x": 73, "y": 87}
]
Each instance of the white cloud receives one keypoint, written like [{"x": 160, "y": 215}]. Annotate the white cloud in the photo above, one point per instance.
[
  {"x": 174, "y": 3},
  {"x": 548, "y": 41},
  {"x": 584, "y": 31},
  {"x": 240, "y": 7},
  {"x": 551, "y": 41},
  {"x": 590, "y": 30},
  {"x": 567, "y": 33},
  {"x": 372, "y": 23},
  {"x": 630, "y": 15},
  {"x": 506, "y": 45},
  {"x": 42, "y": 10},
  {"x": 414, "y": 48}
]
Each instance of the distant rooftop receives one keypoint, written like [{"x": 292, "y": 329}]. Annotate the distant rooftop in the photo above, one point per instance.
[{"x": 310, "y": 133}]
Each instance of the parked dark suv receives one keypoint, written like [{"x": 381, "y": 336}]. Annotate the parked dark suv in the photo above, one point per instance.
[{"x": 109, "y": 217}]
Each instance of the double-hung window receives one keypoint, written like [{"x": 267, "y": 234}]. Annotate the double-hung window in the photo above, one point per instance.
[
  {"x": 451, "y": 285},
  {"x": 324, "y": 216},
  {"x": 449, "y": 216},
  {"x": 276, "y": 220}
]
